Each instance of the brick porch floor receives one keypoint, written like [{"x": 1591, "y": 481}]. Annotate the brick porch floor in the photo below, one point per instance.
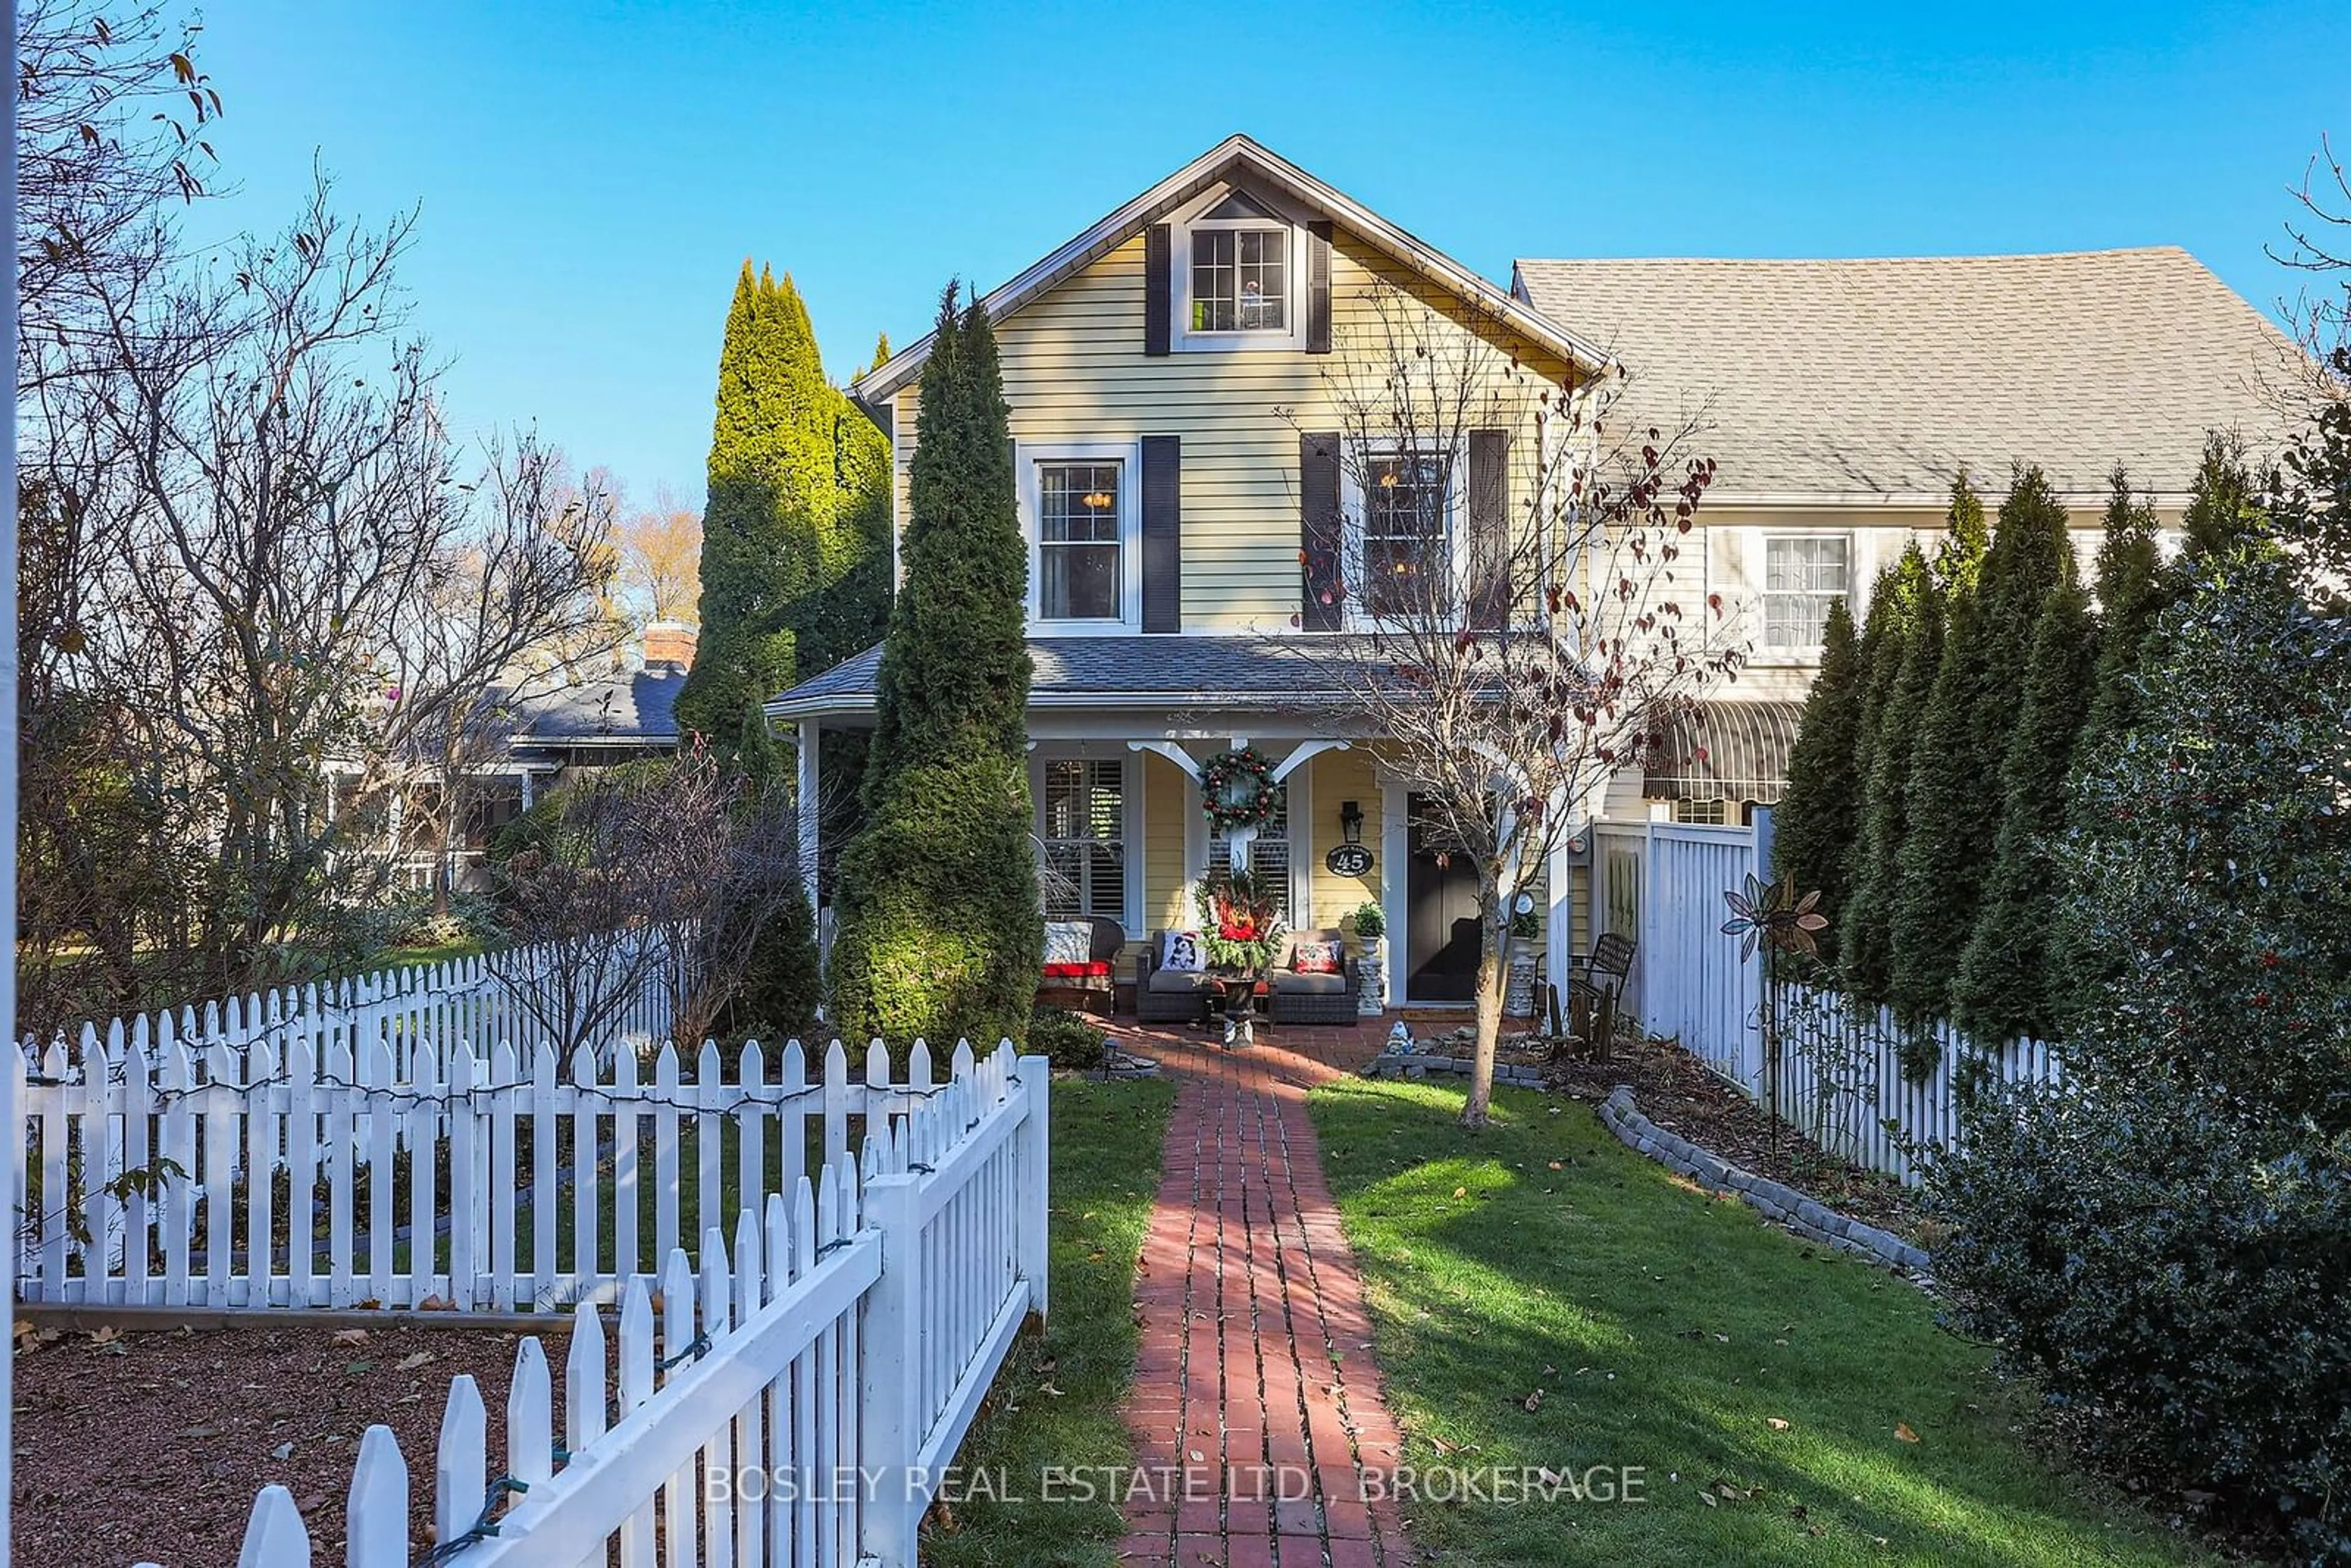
[{"x": 1256, "y": 1406}]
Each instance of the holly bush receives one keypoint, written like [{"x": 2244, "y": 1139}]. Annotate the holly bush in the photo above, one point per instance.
[{"x": 2163, "y": 1239}]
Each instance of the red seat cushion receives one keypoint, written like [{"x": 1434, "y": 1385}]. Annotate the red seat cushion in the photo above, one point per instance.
[{"x": 1093, "y": 970}]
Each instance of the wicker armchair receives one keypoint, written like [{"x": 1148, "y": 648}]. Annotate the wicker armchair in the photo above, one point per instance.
[
  {"x": 1169, "y": 996},
  {"x": 1093, "y": 983},
  {"x": 1311, "y": 999}
]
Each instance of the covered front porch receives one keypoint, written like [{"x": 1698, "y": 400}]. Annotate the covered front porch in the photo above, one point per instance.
[{"x": 1119, "y": 737}]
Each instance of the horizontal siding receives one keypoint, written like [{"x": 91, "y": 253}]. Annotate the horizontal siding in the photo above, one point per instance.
[
  {"x": 1341, "y": 776},
  {"x": 1166, "y": 812},
  {"x": 1074, "y": 370}
]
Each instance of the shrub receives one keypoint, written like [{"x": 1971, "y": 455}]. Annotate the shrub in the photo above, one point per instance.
[
  {"x": 1369, "y": 920},
  {"x": 2175, "y": 1285},
  {"x": 2164, "y": 1240},
  {"x": 1072, "y": 1039}
]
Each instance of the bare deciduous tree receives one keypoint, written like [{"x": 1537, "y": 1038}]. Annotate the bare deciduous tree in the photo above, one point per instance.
[
  {"x": 661, "y": 558},
  {"x": 263, "y": 563},
  {"x": 688, "y": 865},
  {"x": 1507, "y": 568}
]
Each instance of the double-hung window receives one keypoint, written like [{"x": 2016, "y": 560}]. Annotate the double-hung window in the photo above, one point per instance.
[
  {"x": 1081, "y": 811},
  {"x": 1077, "y": 543},
  {"x": 1406, "y": 555},
  {"x": 1804, "y": 575},
  {"x": 1079, "y": 506}
]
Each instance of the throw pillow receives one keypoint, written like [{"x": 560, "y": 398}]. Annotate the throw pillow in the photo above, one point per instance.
[
  {"x": 1316, "y": 957},
  {"x": 1184, "y": 952},
  {"x": 1068, "y": 941}
]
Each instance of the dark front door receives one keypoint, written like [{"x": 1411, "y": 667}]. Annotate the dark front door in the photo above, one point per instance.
[{"x": 1440, "y": 944}]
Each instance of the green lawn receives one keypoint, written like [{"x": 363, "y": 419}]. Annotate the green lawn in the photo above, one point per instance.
[
  {"x": 1674, "y": 1332},
  {"x": 1055, "y": 1403}
]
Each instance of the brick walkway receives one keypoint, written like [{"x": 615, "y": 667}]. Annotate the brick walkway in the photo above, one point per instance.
[{"x": 1256, "y": 1406}]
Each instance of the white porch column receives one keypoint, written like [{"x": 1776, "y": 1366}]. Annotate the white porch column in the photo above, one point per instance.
[
  {"x": 805, "y": 803},
  {"x": 1395, "y": 865}
]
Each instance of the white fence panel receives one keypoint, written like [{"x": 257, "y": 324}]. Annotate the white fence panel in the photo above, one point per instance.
[
  {"x": 1662, "y": 883},
  {"x": 1841, "y": 1079},
  {"x": 250, "y": 1180},
  {"x": 810, "y": 1378},
  {"x": 1844, "y": 1082}
]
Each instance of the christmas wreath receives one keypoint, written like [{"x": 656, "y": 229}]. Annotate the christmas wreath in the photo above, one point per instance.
[{"x": 1236, "y": 790}]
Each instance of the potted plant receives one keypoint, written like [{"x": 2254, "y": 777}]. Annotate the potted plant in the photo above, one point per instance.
[
  {"x": 1371, "y": 924},
  {"x": 1518, "y": 984},
  {"x": 1240, "y": 922}
]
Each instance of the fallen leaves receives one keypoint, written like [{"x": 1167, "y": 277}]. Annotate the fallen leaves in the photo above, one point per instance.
[{"x": 1902, "y": 1430}]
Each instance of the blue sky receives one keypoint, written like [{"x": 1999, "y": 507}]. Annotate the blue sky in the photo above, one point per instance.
[{"x": 591, "y": 175}]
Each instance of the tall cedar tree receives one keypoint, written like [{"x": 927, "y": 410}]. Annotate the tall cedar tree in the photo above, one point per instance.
[
  {"x": 2003, "y": 988},
  {"x": 2135, "y": 587},
  {"x": 1816, "y": 821},
  {"x": 2226, "y": 512},
  {"x": 2130, "y": 595},
  {"x": 940, "y": 933},
  {"x": 1954, "y": 804},
  {"x": 798, "y": 505},
  {"x": 1895, "y": 601},
  {"x": 1903, "y": 677}
]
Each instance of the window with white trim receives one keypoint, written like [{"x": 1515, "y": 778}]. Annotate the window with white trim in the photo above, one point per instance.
[
  {"x": 1082, "y": 817},
  {"x": 1404, "y": 545},
  {"x": 1268, "y": 853},
  {"x": 1080, "y": 506},
  {"x": 1239, "y": 268},
  {"x": 1804, "y": 575}
]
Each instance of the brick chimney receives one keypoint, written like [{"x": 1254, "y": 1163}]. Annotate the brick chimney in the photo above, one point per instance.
[{"x": 670, "y": 642}]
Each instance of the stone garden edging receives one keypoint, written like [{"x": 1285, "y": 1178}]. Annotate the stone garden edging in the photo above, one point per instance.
[
  {"x": 1774, "y": 1200},
  {"x": 1413, "y": 1064}
]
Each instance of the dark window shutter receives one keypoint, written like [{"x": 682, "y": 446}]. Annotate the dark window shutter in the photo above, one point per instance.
[
  {"x": 1163, "y": 533},
  {"x": 1157, "y": 303},
  {"x": 1317, "y": 287},
  {"x": 1319, "y": 538},
  {"x": 1489, "y": 528}
]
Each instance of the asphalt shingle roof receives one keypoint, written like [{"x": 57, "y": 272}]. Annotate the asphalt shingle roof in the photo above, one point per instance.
[
  {"x": 1885, "y": 376},
  {"x": 1150, "y": 670},
  {"x": 639, "y": 704}
]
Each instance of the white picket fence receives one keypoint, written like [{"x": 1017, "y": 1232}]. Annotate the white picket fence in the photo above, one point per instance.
[
  {"x": 293, "y": 1181},
  {"x": 472, "y": 1001},
  {"x": 1841, "y": 1079},
  {"x": 797, "y": 1398}
]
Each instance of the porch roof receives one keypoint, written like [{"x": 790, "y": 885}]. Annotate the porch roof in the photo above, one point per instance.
[
  {"x": 1155, "y": 671},
  {"x": 1727, "y": 750}
]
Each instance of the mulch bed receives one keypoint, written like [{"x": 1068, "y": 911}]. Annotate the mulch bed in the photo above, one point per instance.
[
  {"x": 1675, "y": 1091},
  {"x": 150, "y": 1446}
]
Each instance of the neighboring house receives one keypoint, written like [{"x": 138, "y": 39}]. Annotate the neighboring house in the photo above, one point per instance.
[
  {"x": 544, "y": 739},
  {"x": 1162, "y": 366}
]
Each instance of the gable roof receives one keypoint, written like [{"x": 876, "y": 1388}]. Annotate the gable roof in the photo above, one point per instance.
[
  {"x": 1239, "y": 158},
  {"x": 1879, "y": 379}
]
